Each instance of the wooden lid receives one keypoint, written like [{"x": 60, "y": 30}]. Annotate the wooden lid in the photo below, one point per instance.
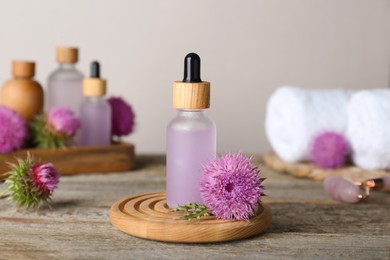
[
  {"x": 23, "y": 69},
  {"x": 94, "y": 87},
  {"x": 191, "y": 95},
  {"x": 67, "y": 54}
]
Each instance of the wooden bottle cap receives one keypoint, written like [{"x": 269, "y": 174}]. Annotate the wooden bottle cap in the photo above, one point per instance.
[
  {"x": 67, "y": 54},
  {"x": 194, "y": 95},
  {"x": 23, "y": 69},
  {"x": 94, "y": 87}
]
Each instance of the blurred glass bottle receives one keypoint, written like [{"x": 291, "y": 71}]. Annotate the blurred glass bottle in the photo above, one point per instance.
[
  {"x": 64, "y": 87},
  {"x": 95, "y": 111}
]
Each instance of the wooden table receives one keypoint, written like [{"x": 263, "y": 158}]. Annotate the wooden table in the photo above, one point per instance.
[{"x": 306, "y": 223}]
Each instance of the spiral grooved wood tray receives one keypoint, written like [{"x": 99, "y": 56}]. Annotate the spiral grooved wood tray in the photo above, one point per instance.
[{"x": 148, "y": 216}]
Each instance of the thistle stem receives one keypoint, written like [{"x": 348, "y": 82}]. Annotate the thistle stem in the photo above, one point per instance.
[{"x": 4, "y": 195}]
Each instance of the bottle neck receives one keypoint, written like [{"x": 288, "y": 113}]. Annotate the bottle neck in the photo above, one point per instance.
[
  {"x": 187, "y": 112},
  {"x": 67, "y": 66},
  {"x": 24, "y": 78},
  {"x": 94, "y": 98}
]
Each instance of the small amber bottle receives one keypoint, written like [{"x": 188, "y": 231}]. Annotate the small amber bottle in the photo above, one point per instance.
[{"x": 22, "y": 93}]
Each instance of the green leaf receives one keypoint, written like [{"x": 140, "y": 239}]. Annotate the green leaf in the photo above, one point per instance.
[{"x": 193, "y": 210}]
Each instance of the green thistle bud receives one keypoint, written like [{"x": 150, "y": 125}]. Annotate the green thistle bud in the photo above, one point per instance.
[
  {"x": 29, "y": 183},
  {"x": 44, "y": 136}
]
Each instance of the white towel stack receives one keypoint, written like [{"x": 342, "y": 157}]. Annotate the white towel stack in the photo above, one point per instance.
[
  {"x": 368, "y": 130},
  {"x": 295, "y": 116}
]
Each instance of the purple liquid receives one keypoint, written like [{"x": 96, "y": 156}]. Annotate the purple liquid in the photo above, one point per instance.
[
  {"x": 187, "y": 153},
  {"x": 95, "y": 117}
]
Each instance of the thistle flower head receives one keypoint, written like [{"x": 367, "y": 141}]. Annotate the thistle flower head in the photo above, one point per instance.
[
  {"x": 122, "y": 117},
  {"x": 44, "y": 178},
  {"x": 329, "y": 150},
  {"x": 29, "y": 183},
  {"x": 63, "y": 120},
  {"x": 13, "y": 130},
  {"x": 231, "y": 187},
  {"x": 56, "y": 130}
]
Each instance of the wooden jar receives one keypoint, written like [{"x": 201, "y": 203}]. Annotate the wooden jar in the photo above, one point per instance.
[{"x": 22, "y": 93}]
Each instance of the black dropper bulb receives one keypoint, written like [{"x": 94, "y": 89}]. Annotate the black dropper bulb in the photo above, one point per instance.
[
  {"x": 192, "y": 68},
  {"x": 95, "y": 69}
]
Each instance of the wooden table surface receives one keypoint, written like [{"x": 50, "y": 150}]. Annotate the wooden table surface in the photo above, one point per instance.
[{"x": 306, "y": 223}]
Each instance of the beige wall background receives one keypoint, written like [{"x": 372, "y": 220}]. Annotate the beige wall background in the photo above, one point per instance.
[{"x": 248, "y": 49}]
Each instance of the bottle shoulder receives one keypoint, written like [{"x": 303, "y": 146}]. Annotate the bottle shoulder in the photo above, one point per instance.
[
  {"x": 66, "y": 74},
  {"x": 95, "y": 102},
  {"x": 191, "y": 122},
  {"x": 22, "y": 83}
]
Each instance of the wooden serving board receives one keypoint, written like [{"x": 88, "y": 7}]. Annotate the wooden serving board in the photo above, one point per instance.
[
  {"x": 148, "y": 216},
  {"x": 309, "y": 170},
  {"x": 78, "y": 159}
]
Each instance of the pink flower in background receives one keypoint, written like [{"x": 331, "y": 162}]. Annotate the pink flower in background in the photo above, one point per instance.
[
  {"x": 231, "y": 187},
  {"x": 13, "y": 130},
  {"x": 44, "y": 178},
  {"x": 329, "y": 150},
  {"x": 122, "y": 117},
  {"x": 63, "y": 120}
]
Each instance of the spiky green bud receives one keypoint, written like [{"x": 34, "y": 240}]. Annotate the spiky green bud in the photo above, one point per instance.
[{"x": 44, "y": 137}]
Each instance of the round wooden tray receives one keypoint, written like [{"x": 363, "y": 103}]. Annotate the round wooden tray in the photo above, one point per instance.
[{"x": 148, "y": 216}]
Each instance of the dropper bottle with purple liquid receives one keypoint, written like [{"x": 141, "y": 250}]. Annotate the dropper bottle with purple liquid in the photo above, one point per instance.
[
  {"x": 191, "y": 136},
  {"x": 95, "y": 111}
]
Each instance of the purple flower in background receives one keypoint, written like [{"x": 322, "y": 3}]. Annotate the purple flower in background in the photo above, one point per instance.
[
  {"x": 13, "y": 130},
  {"x": 44, "y": 178},
  {"x": 122, "y": 117},
  {"x": 63, "y": 120},
  {"x": 231, "y": 187},
  {"x": 329, "y": 150}
]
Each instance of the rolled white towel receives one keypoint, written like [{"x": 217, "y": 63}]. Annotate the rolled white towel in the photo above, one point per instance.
[
  {"x": 368, "y": 130},
  {"x": 295, "y": 116}
]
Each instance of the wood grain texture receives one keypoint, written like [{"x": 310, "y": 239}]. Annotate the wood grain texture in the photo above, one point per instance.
[
  {"x": 66, "y": 54},
  {"x": 148, "y": 216},
  {"x": 308, "y": 170},
  {"x": 23, "y": 95},
  {"x": 23, "y": 69},
  {"x": 306, "y": 224},
  {"x": 191, "y": 95},
  {"x": 78, "y": 160}
]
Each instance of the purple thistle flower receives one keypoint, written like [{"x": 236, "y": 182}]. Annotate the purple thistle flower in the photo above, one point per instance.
[
  {"x": 29, "y": 183},
  {"x": 122, "y": 117},
  {"x": 44, "y": 178},
  {"x": 13, "y": 130},
  {"x": 329, "y": 150},
  {"x": 63, "y": 120},
  {"x": 231, "y": 187}
]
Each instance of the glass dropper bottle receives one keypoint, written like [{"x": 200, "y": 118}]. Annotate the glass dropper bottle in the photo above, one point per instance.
[
  {"x": 95, "y": 111},
  {"x": 191, "y": 136}
]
